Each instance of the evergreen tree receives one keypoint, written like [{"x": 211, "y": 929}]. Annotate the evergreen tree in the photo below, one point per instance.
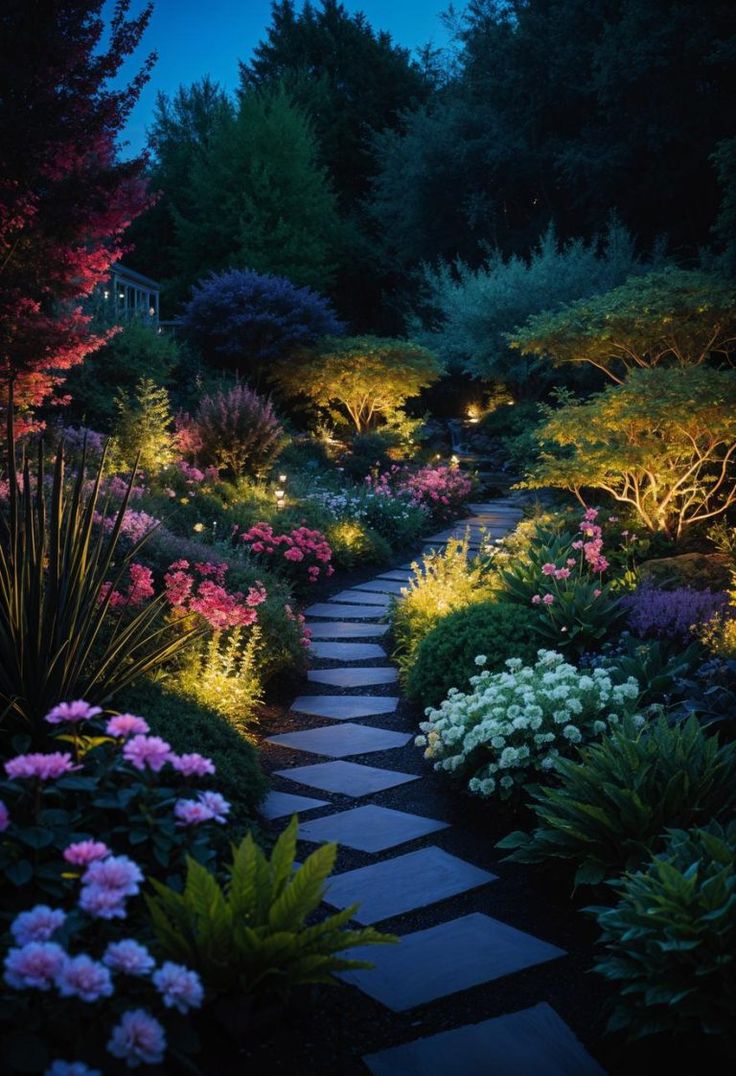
[{"x": 143, "y": 429}]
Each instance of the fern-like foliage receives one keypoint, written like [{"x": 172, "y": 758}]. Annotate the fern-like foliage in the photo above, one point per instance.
[{"x": 253, "y": 936}]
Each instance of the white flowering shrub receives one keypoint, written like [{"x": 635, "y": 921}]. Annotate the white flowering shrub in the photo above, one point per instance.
[{"x": 515, "y": 724}]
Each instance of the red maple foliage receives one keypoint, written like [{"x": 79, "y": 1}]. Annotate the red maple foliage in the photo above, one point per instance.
[{"x": 65, "y": 197}]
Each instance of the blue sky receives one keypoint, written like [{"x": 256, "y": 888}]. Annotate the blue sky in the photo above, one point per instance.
[{"x": 207, "y": 37}]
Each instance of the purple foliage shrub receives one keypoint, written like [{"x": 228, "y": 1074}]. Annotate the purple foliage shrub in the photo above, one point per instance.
[
  {"x": 237, "y": 430},
  {"x": 669, "y": 613}
]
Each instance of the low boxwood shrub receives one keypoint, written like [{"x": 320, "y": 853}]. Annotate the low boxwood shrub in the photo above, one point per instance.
[
  {"x": 671, "y": 938},
  {"x": 354, "y": 543},
  {"x": 446, "y": 657},
  {"x": 611, "y": 807}
]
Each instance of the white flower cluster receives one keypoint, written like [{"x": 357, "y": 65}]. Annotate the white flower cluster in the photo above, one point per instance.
[
  {"x": 366, "y": 504},
  {"x": 513, "y": 724}
]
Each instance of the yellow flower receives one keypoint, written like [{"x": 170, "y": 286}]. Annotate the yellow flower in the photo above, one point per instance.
[
  {"x": 183, "y": 500},
  {"x": 198, "y": 527}
]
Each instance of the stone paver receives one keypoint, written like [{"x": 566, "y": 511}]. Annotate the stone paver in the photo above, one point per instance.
[
  {"x": 361, "y": 597},
  {"x": 347, "y": 651},
  {"x": 354, "y": 677},
  {"x": 399, "y": 575},
  {"x": 345, "y": 707},
  {"x": 340, "y": 629},
  {"x": 370, "y": 828},
  {"x": 329, "y": 611},
  {"x": 381, "y": 586},
  {"x": 280, "y": 804},
  {"x": 347, "y": 778},
  {"x": 442, "y": 960},
  {"x": 399, "y": 885},
  {"x": 531, "y": 1042},
  {"x": 339, "y": 741}
]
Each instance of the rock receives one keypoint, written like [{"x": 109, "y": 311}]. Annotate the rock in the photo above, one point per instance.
[{"x": 701, "y": 571}]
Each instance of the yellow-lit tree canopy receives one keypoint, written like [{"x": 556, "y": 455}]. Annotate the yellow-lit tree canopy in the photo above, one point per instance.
[
  {"x": 663, "y": 442},
  {"x": 366, "y": 378}
]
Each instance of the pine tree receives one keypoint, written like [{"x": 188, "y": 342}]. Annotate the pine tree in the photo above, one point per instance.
[{"x": 143, "y": 429}]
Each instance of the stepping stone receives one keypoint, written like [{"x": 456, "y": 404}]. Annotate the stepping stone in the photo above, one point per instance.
[
  {"x": 381, "y": 586},
  {"x": 370, "y": 828},
  {"x": 531, "y": 1042},
  {"x": 347, "y": 778},
  {"x": 403, "y": 884},
  {"x": 359, "y": 677},
  {"x": 339, "y": 741},
  {"x": 453, "y": 956},
  {"x": 361, "y": 597},
  {"x": 279, "y": 804},
  {"x": 342, "y": 630},
  {"x": 398, "y": 574},
  {"x": 347, "y": 651},
  {"x": 345, "y": 707},
  {"x": 352, "y": 612}
]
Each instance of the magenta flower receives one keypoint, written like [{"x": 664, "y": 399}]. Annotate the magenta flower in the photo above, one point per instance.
[
  {"x": 116, "y": 873},
  {"x": 84, "y": 978},
  {"x": 548, "y": 599},
  {"x": 215, "y": 803},
  {"x": 43, "y": 767},
  {"x": 147, "y": 752},
  {"x": 4, "y": 817},
  {"x": 138, "y": 1039},
  {"x": 125, "y": 725},
  {"x": 34, "y": 966},
  {"x": 128, "y": 957},
  {"x": 192, "y": 765},
  {"x": 82, "y": 853},
  {"x": 179, "y": 987},
  {"x": 72, "y": 712},
  {"x": 549, "y": 569},
  {"x": 102, "y": 903},
  {"x": 39, "y": 924}
]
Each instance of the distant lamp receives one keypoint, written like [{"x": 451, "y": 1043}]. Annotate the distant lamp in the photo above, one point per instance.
[
  {"x": 454, "y": 460},
  {"x": 282, "y": 479},
  {"x": 106, "y": 294},
  {"x": 473, "y": 413},
  {"x": 280, "y": 495}
]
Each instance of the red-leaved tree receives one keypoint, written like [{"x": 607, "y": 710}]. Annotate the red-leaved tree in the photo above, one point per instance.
[{"x": 65, "y": 198}]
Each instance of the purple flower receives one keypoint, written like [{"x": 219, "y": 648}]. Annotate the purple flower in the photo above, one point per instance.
[
  {"x": 179, "y": 987},
  {"x": 215, "y": 803},
  {"x": 4, "y": 817},
  {"x": 34, "y": 966},
  {"x": 102, "y": 903},
  {"x": 147, "y": 751},
  {"x": 125, "y": 725},
  {"x": 82, "y": 853},
  {"x": 128, "y": 957},
  {"x": 191, "y": 813},
  {"x": 71, "y": 1068},
  {"x": 39, "y": 924},
  {"x": 84, "y": 978},
  {"x": 72, "y": 712},
  {"x": 671, "y": 613},
  {"x": 44, "y": 767},
  {"x": 192, "y": 765},
  {"x": 138, "y": 1039},
  {"x": 117, "y": 873}
]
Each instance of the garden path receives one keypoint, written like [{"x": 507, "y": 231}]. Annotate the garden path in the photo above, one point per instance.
[{"x": 396, "y": 888}]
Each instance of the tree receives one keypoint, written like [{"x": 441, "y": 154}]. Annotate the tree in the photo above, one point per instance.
[
  {"x": 65, "y": 198},
  {"x": 367, "y": 378},
  {"x": 143, "y": 429},
  {"x": 669, "y": 315},
  {"x": 243, "y": 320},
  {"x": 662, "y": 442},
  {"x": 260, "y": 199}
]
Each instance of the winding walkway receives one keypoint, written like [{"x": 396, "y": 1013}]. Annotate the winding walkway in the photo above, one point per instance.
[{"x": 350, "y": 677}]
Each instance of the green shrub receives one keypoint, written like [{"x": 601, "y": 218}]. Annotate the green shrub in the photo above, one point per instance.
[
  {"x": 353, "y": 543},
  {"x": 251, "y": 938},
  {"x": 142, "y": 432},
  {"x": 671, "y": 938},
  {"x": 611, "y": 808},
  {"x": 191, "y": 726},
  {"x": 445, "y": 658}
]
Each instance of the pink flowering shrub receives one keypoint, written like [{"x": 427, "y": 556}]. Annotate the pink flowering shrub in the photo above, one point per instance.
[
  {"x": 442, "y": 490},
  {"x": 562, "y": 575},
  {"x": 200, "y": 588},
  {"x": 302, "y": 554}
]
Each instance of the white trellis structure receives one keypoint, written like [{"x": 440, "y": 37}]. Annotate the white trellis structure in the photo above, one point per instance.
[{"x": 129, "y": 294}]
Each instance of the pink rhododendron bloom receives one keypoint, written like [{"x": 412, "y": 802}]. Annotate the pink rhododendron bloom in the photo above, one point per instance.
[
  {"x": 38, "y": 924},
  {"x": 179, "y": 987},
  {"x": 125, "y": 725},
  {"x": 4, "y": 817},
  {"x": 72, "y": 712},
  {"x": 192, "y": 765},
  {"x": 84, "y": 978},
  {"x": 117, "y": 873},
  {"x": 34, "y": 966},
  {"x": 138, "y": 1039},
  {"x": 44, "y": 767},
  {"x": 147, "y": 752},
  {"x": 548, "y": 599},
  {"x": 215, "y": 803},
  {"x": 128, "y": 957},
  {"x": 294, "y": 554},
  {"x": 82, "y": 853},
  {"x": 191, "y": 813},
  {"x": 102, "y": 903}
]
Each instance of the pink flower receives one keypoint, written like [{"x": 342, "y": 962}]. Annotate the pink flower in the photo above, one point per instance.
[
  {"x": 39, "y": 924},
  {"x": 590, "y": 515},
  {"x": 44, "y": 767},
  {"x": 4, "y": 817},
  {"x": 549, "y": 569},
  {"x": 34, "y": 966},
  {"x": 191, "y": 813},
  {"x": 179, "y": 987},
  {"x": 84, "y": 978},
  {"x": 578, "y": 544},
  {"x": 128, "y": 957},
  {"x": 82, "y": 853},
  {"x": 537, "y": 599},
  {"x": 141, "y": 584},
  {"x": 102, "y": 903},
  {"x": 294, "y": 554},
  {"x": 548, "y": 599},
  {"x": 192, "y": 765},
  {"x": 72, "y": 712},
  {"x": 117, "y": 873},
  {"x": 147, "y": 752},
  {"x": 562, "y": 573},
  {"x": 138, "y": 1039},
  {"x": 597, "y": 593},
  {"x": 571, "y": 562},
  {"x": 215, "y": 803},
  {"x": 125, "y": 725}
]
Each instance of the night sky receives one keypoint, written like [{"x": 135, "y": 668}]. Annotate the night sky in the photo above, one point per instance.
[{"x": 207, "y": 37}]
